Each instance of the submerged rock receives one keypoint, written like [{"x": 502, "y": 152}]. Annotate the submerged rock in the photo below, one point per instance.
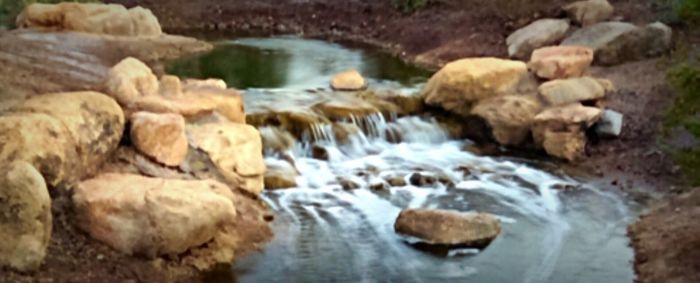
[
  {"x": 589, "y": 12},
  {"x": 460, "y": 84},
  {"x": 236, "y": 150},
  {"x": 540, "y": 33},
  {"x": 152, "y": 216},
  {"x": 446, "y": 227},
  {"x": 509, "y": 117},
  {"x": 25, "y": 225},
  {"x": 350, "y": 80},
  {"x": 109, "y": 19},
  {"x": 561, "y": 62},
  {"x": 160, "y": 136}
]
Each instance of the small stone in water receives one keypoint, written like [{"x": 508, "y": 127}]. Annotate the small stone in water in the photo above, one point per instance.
[
  {"x": 348, "y": 184},
  {"x": 379, "y": 186},
  {"x": 420, "y": 180},
  {"x": 397, "y": 181},
  {"x": 319, "y": 152}
]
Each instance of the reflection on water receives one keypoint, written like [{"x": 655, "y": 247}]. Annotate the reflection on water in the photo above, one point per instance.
[{"x": 290, "y": 63}]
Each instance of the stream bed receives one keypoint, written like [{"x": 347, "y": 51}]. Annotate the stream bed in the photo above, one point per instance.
[{"x": 556, "y": 228}]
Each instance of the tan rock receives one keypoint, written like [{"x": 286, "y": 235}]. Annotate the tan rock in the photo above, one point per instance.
[
  {"x": 446, "y": 227},
  {"x": 160, "y": 136},
  {"x": 129, "y": 80},
  {"x": 236, "y": 150},
  {"x": 170, "y": 86},
  {"x": 280, "y": 175},
  {"x": 189, "y": 106},
  {"x": 458, "y": 85},
  {"x": 540, "y": 33},
  {"x": 561, "y": 130},
  {"x": 25, "y": 225},
  {"x": 152, "y": 216},
  {"x": 90, "y": 18},
  {"x": 194, "y": 83},
  {"x": 561, "y": 62},
  {"x": 228, "y": 102},
  {"x": 566, "y": 145},
  {"x": 509, "y": 117},
  {"x": 567, "y": 91},
  {"x": 349, "y": 80},
  {"x": 589, "y": 12}
]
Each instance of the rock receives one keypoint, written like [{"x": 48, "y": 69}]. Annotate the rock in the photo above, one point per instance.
[
  {"x": 66, "y": 136},
  {"x": 446, "y": 227},
  {"x": 276, "y": 140},
  {"x": 347, "y": 184},
  {"x": 152, "y": 216},
  {"x": 589, "y": 12},
  {"x": 640, "y": 43},
  {"x": 561, "y": 62},
  {"x": 567, "y": 91},
  {"x": 339, "y": 109},
  {"x": 458, "y": 85},
  {"x": 540, "y": 33},
  {"x": 610, "y": 124},
  {"x": 422, "y": 180},
  {"x": 344, "y": 132},
  {"x": 566, "y": 145},
  {"x": 189, "y": 106},
  {"x": 228, "y": 102},
  {"x": 397, "y": 181},
  {"x": 236, "y": 150},
  {"x": 606, "y": 39},
  {"x": 129, "y": 80},
  {"x": 406, "y": 103},
  {"x": 194, "y": 83},
  {"x": 25, "y": 225},
  {"x": 509, "y": 117},
  {"x": 280, "y": 175},
  {"x": 170, "y": 86},
  {"x": 160, "y": 136},
  {"x": 561, "y": 130},
  {"x": 350, "y": 80},
  {"x": 91, "y": 18},
  {"x": 320, "y": 153}
]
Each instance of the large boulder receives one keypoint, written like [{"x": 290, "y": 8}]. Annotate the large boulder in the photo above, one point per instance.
[
  {"x": 540, "y": 33},
  {"x": 589, "y": 12},
  {"x": 25, "y": 225},
  {"x": 160, "y": 136},
  {"x": 567, "y": 91},
  {"x": 445, "y": 227},
  {"x": 151, "y": 216},
  {"x": 66, "y": 136},
  {"x": 109, "y": 19},
  {"x": 131, "y": 79},
  {"x": 561, "y": 62},
  {"x": 458, "y": 85},
  {"x": 509, "y": 117},
  {"x": 236, "y": 150},
  {"x": 227, "y": 102},
  {"x": 349, "y": 80},
  {"x": 560, "y": 130}
]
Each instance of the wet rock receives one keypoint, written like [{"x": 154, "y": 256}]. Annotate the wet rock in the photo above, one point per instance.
[
  {"x": 540, "y": 33},
  {"x": 91, "y": 18},
  {"x": 344, "y": 109},
  {"x": 458, "y": 85},
  {"x": 422, "y": 180},
  {"x": 405, "y": 104},
  {"x": 610, "y": 124},
  {"x": 160, "y": 136},
  {"x": 397, "y": 181},
  {"x": 509, "y": 117},
  {"x": 280, "y": 175},
  {"x": 236, "y": 150},
  {"x": 589, "y": 12},
  {"x": 445, "y": 227},
  {"x": 320, "y": 153},
  {"x": 343, "y": 132},
  {"x": 350, "y": 80},
  {"x": 561, "y": 62},
  {"x": 276, "y": 140},
  {"x": 152, "y": 216},
  {"x": 66, "y": 136},
  {"x": 347, "y": 184},
  {"x": 567, "y": 91},
  {"x": 295, "y": 121},
  {"x": 129, "y": 80},
  {"x": 379, "y": 186},
  {"x": 25, "y": 225}
]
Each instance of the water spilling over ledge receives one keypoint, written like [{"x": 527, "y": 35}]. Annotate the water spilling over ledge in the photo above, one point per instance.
[{"x": 356, "y": 163}]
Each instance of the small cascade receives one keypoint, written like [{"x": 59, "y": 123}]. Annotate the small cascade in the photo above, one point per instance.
[
  {"x": 373, "y": 125},
  {"x": 320, "y": 133}
]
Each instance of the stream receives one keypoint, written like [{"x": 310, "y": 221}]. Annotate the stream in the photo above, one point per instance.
[{"x": 556, "y": 228}]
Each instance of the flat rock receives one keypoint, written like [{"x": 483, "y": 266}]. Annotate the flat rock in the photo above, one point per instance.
[
  {"x": 643, "y": 42},
  {"x": 600, "y": 37},
  {"x": 568, "y": 145},
  {"x": 350, "y": 80},
  {"x": 509, "y": 117},
  {"x": 25, "y": 225},
  {"x": 129, "y": 80},
  {"x": 567, "y": 91},
  {"x": 540, "y": 33},
  {"x": 446, "y": 227},
  {"x": 589, "y": 12},
  {"x": 160, "y": 136},
  {"x": 561, "y": 62},
  {"x": 152, "y": 216}
]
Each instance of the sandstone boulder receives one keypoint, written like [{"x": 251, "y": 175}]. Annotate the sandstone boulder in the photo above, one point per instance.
[
  {"x": 152, "y": 216},
  {"x": 25, "y": 225},
  {"x": 66, "y": 136},
  {"x": 160, "y": 136},
  {"x": 227, "y": 102},
  {"x": 509, "y": 117},
  {"x": 280, "y": 175},
  {"x": 540, "y": 33},
  {"x": 568, "y": 145},
  {"x": 90, "y": 18},
  {"x": 236, "y": 150},
  {"x": 567, "y": 91},
  {"x": 445, "y": 227},
  {"x": 589, "y": 12},
  {"x": 170, "y": 85},
  {"x": 350, "y": 80},
  {"x": 129, "y": 80},
  {"x": 458, "y": 85},
  {"x": 189, "y": 106},
  {"x": 561, "y": 62},
  {"x": 560, "y": 130}
]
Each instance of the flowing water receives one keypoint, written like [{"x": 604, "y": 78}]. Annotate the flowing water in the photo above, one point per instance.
[{"x": 555, "y": 228}]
